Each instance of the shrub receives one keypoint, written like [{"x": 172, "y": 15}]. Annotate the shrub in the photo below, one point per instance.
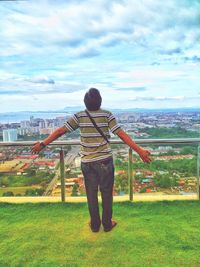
[
  {"x": 34, "y": 192},
  {"x": 8, "y": 194},
  {"x": 75, "y": 190},
  {"x": 143, "y": 190}
]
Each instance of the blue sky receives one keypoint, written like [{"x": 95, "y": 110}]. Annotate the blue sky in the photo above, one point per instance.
[{"x": 140, "y": 54}]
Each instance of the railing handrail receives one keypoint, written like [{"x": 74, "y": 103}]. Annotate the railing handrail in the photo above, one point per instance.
[{"x": 164, "y": 141}]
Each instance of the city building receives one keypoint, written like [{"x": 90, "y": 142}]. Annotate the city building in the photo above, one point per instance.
[
  {"x": 9, "y": 135},
  {"x": 25, "y": 124}
]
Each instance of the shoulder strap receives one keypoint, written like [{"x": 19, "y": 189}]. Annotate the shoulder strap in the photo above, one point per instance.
[{"x": 97, "y": 128}]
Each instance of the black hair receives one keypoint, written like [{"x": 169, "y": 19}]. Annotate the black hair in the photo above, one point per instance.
[{"x": 92, "y": 99}]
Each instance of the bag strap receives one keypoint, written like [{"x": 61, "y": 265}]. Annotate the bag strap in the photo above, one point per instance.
[{"x": 97, "y": 128}]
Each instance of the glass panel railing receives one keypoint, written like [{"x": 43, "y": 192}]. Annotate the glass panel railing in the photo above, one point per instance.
[
  {"x": 198, "y": 172},
  {"x": 56, "y": 172},
  {"x": 172, "y": 172},
  {"x": 70, "y": 182},
  {"x": 23, "y": 174}
]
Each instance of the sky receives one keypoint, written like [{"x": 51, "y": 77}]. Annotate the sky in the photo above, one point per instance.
[{"x": 139, "y": 54}]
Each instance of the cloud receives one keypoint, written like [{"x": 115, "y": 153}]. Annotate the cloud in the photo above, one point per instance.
[
  {"x": 173, "y": 51},
  {"x": 140, "y": 88},
  {"x": 37, "y": 85},
  {"x": 10, "y": 92},
  {"x": 41, "y": 79},
  {"x": 91, "y": 25},
  {"x": 164, "y": 98},
  {"x": 192, "y": 59},
  {"x": 54, "y": 101},
  {"x": 131, "y": 49},
  {"x": 87, "y": 53}
]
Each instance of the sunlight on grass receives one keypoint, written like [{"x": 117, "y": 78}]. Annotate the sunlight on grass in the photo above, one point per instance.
[{"x": 57, "y": 234}]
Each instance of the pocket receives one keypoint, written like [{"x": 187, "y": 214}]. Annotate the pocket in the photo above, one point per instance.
[
  {"x": 106, "y": 162},
  {"x": 107, "y": 167}
]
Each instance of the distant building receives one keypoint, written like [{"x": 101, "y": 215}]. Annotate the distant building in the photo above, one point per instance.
[
  {"x": 23, "y": 131},
  {"x": 42, "y": 124},
  {"x": 9, "y": 135},
  {"x": 164, "y": 148},
  {"x": 25, "y": 124}
]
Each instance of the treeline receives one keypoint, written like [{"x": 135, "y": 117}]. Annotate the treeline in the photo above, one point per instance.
[
  {"x": 187, "y": 167},
  {"x": 39, "y": 178},
  {"x": 176, "y": 132},
  {"x": 160, "y": 181}
]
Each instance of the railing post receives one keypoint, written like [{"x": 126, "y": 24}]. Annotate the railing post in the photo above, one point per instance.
[
  {"x": 198, "y": 172},
  {"x": 130, "y": 174},
  {"x": 62, "y": 175}
]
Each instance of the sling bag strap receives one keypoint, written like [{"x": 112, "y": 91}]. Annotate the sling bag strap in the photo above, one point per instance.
[{"x": 97, "y": 128}]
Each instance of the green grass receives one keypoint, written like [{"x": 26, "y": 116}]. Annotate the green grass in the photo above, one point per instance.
[{"x": 57, "y": 234}]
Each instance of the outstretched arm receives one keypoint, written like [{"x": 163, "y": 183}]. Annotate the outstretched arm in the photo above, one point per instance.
[
  {"x": 143, "y": 153},
  {"x": 40, "y": 145}
]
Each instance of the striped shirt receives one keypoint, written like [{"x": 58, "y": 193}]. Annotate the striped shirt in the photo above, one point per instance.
[{"x": 93, "y": 146}]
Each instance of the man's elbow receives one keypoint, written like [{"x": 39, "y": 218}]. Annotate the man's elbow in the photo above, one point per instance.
[{"x": 121, "y": 134}]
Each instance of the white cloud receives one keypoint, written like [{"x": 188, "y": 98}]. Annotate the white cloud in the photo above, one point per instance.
[
  {"x": 130, "y": 49},
  {"x": 41, "y": 79},
  {"x": 20, "y": 85},
  {"x": 84, "y": 26},
  {"x": 165, "y": 98},
  {"x": 37, "y": 102}
]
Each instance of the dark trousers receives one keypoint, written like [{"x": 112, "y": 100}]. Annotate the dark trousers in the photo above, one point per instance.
[{"x": 99, "y": 174}]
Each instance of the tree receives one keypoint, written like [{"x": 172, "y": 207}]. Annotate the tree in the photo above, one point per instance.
[
  {"x": 34, "y": 192},
  {"x": 75, "y": 190},
  {"x": 31, "y": 171},
  {"x": 121, "y": 182},
  {"x": 164, "y": 180},
  {"x": 4, "y": 181},
  {"x": 30, "y": 192},
  {"x": 189, "y": 150}
]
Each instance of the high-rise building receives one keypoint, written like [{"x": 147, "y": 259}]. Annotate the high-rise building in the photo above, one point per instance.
[
  {"x": 25, "y": 124},
  {"x": 9, "y": 135},
  {"x": 42, "y": 124}
]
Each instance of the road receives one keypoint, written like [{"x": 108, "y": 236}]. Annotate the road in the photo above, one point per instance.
[{"x": 69, "y": 159}]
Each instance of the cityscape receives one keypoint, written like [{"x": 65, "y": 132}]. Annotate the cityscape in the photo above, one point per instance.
[
  {"x": 144, "y": 59},
  {"x": 172, "y": 171}
]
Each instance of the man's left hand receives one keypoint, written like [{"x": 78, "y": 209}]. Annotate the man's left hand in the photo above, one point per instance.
[
  {"x": 145, "y": 155},
  {"x": 36, "y": 148}
]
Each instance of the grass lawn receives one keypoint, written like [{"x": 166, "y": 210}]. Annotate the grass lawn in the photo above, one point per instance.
[{"x": 57, "y": 234}]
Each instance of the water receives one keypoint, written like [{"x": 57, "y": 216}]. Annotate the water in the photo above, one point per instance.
[{"x": 11, "y": 117}]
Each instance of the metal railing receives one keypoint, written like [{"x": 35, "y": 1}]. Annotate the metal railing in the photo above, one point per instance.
[{"x": 174, "y": 141}]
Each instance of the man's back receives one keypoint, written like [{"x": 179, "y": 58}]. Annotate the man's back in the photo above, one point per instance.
[
  {"x": 93, "y": 146},
  {"x": 97, "y": 162}
]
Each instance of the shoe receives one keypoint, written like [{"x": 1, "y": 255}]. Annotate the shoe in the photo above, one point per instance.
[
  {"x": 114, "y": 223},
  {"x": 95, "y": 230}
]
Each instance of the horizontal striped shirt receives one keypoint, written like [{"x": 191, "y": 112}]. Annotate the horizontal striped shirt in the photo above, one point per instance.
[{"x": 93, "y": 146}]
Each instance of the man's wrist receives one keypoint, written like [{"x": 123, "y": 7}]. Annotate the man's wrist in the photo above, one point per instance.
[
  {"x": 42, "y": 145},
  {"x": 138, "y": 149}
]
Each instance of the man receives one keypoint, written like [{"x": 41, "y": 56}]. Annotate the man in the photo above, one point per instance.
[{"x": 96, "y": 156}]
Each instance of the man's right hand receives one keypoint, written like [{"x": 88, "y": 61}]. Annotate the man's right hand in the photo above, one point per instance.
[
  {"x": 145, "y": 155},
  {"x": 36, "y": 148}
]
